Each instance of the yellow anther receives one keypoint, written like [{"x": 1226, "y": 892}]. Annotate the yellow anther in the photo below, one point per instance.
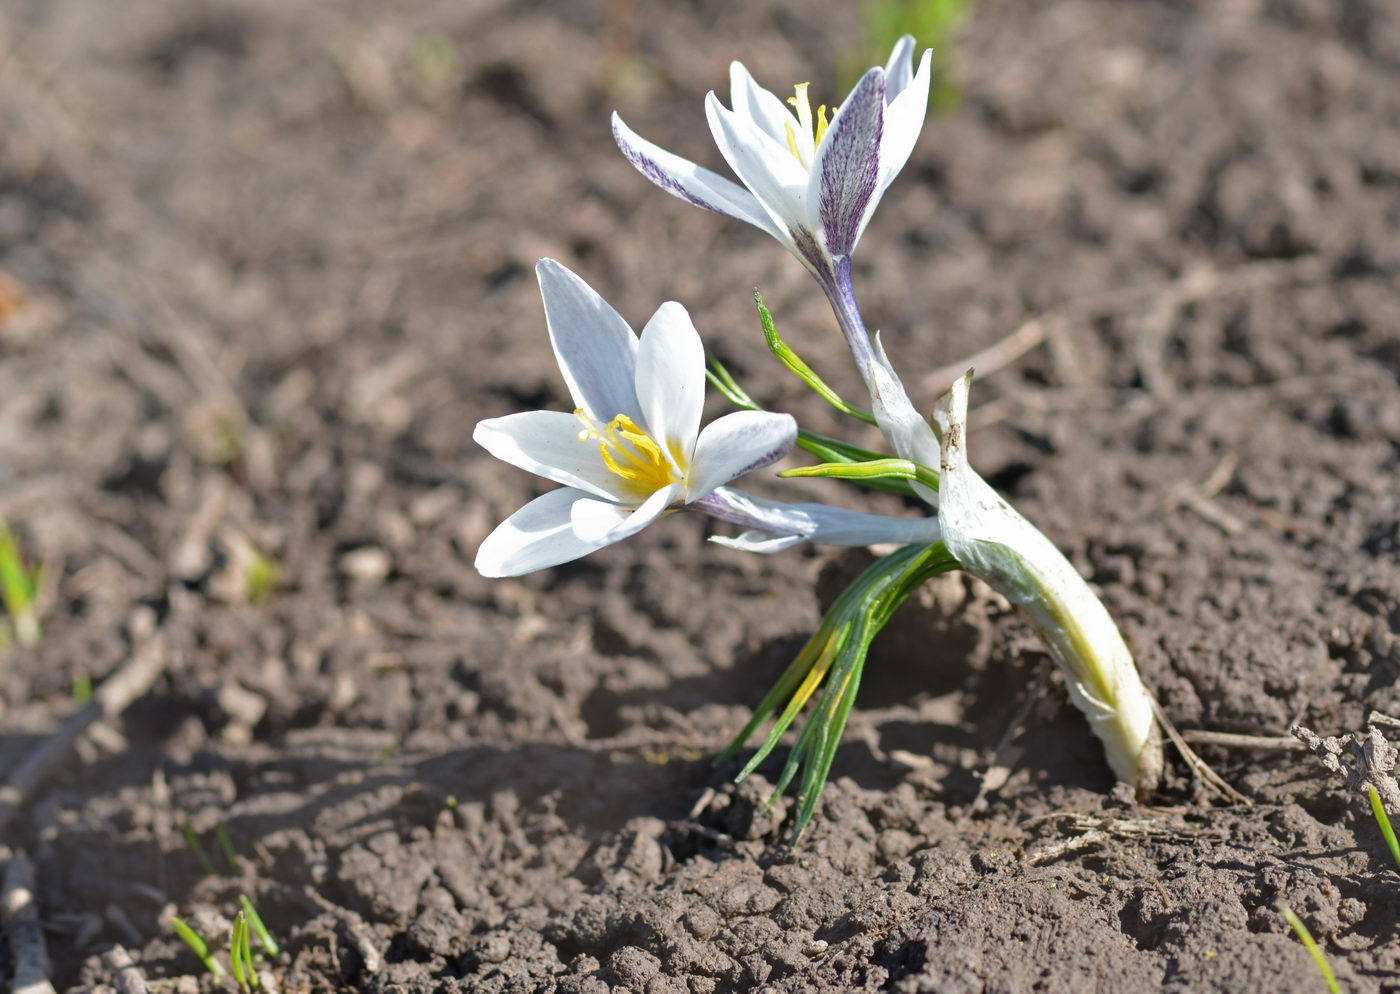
[
  {"x": 806, "y": 123},
  {"x": 629, "y": 453}
]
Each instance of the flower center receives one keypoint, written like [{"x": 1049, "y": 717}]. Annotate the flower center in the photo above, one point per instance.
[
  {"x": 629, "y": 453},
  {"x": 810, "y": 127}
]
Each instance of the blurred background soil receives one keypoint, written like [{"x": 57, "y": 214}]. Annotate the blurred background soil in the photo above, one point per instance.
[{"x": 267, "y": 264}]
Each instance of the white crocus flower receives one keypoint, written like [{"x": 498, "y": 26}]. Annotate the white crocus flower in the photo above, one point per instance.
[
  {"x": 998, "y": 546},
  {"x": 632, "y": 450},
  {"x": 810, "y": 182}
]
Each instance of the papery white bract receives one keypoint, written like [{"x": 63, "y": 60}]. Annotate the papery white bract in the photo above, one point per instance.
[
  {"x": 810, "y": 183},
  {"x": 997, "y": 545},
  {"x": 632, "y": 450}
]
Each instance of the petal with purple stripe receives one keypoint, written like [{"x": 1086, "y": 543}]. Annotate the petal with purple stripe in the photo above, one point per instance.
[
  {"x": 691, "y": 183},
  {"x": 845, "y": 177}
]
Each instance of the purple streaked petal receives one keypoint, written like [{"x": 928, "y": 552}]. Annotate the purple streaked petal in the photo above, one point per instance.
[
  {"x": 595, "y": 347},
  {"x": 845, "y": 177},
  {"x": 691, "y": 183},
  {"x": 737, "y": 444}
]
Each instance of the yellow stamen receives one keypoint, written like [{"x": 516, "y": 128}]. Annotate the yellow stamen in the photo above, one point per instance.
[
  {"x": 806, "y": 124},
  {"x": 630, "y": 453}
]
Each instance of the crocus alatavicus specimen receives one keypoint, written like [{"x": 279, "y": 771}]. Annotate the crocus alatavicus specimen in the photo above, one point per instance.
[{"x": 632, "y": 450}]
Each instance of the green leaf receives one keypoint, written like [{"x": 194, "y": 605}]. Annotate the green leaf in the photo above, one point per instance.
[
  {"x": 835, "y": 656},
  {"x": 872, "y": 469},
  {"x": 804, "y": 372}
]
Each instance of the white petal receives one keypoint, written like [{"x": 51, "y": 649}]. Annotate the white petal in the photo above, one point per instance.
[
  {"x": 767, "y": 168},
  {"x": 691, "y": 183},
  {"x": 906, "y": 429},
  {"x": 671, "y": 381},
  {"x": 595, "y": 347},
  {"x": 844, "y": 185},
  {"x": 899, "y": 68},
  {"x": 535, "y": 537},
  {"x": 601, "y": 523},
  {"x": 736, "y": 444},
  {"x": 757, "y": 541},
  {"x": 759, "y": 105},
  {"x": 904, "y": 119},
  {"x": 546, "y": 443}
]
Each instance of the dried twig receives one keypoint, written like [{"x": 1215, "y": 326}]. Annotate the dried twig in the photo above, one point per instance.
[
  {"x": 23, "y": 931},
  {"x": 1232, "y": 740},
  {"x": 1198, "y": 765}
]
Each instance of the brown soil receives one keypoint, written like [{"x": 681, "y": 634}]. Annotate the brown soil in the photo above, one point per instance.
[{"x": 277, "y": 258}]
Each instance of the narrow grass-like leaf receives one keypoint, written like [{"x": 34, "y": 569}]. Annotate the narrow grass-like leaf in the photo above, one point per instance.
[
  {"x": 810, "y": 682},
  {"x": 197, "y": 946},
  {"x": 226, "y": 844},
  {"x": 721, "y": 380},
  {"x": 1383, "y": 820},
  {"x": 192, "y": 841},
  {"x": 18, "y": 587},
  {"x": 800, "y": 369},
  {"x": 873, "y": 469},
  {"x": 236, "y": 944},
  {"x": 1310, "y": 944},
  {"x": 265, "y": 938}
]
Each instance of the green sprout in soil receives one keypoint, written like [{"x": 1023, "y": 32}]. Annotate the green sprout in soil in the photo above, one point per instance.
[
  {"x": 240, "y": 953},
  {"x": 247, "y": 923},
  {"x": 260, "y": 576},
  {"x": 195, "y": 846},
  {"x": 1383, "y": 820},
  {"x": 1310, "y": 944},
  {"x": 226, "y": 846},
  {"x": 633, "y": 450},
  {"x": 19, "y": 584},
  {"x": 81, "y": 690},
  {"x": 197, "y": 946},
  {"x": 259, "y": 929}
]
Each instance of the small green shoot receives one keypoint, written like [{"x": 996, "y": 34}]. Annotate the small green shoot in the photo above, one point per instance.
[
  {"x": 192, "y": 841},
  {"x": 240, "y": 953},
  {"x": 259, "y": 929},
  {"x": 1310, "y": 944},
  {"x": 20, "y": 585},
  {"x": 836, "y": 653},
  {"x": 1383, "y": 820},
  {"x": 81, "y": 688},
  {"x": 800, "y": 369},
  {"x": 197, "y": 946},
  {"x": 260, "y": 576},
  {"x": 226, "y": 844}
]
